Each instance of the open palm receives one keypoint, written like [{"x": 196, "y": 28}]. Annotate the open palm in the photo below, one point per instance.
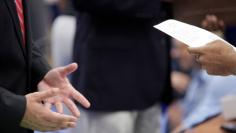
[{"x": 57, "y": 78}]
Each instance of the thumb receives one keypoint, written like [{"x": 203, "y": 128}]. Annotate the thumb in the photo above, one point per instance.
[
  {"x": 196, "y": 50},
  {"x": 68, "y": 69},
  {"x": 40, "y": 96}
]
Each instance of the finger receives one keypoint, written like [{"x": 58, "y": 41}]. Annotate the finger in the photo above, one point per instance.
[
  {"x": 60, "y": 118},
  {"x": 197, "y": 56},
  {"x": 80, "y": 98},
  {"x": 61, "y": 126},
  {"x": 68, "y": 125},
  {"x": 210, "y": 72},
  {"x": 46, "y": 128},
  {"x": 59, "y": 107},
  {"x": 40, "y": 96},
  {"x": 48, "y": 105},
  {"x": 72, "y": 107},
  {"x": 68, "y": 69},
  {"x": 201, "y": 60},
  {"x": 196, "y": 50}
]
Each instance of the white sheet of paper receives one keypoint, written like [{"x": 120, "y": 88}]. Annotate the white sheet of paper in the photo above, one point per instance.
[{"x": 190, "y": 35}]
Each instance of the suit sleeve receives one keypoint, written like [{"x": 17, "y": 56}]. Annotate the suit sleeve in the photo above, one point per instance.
[
  {"x": 129, "y": 8},
  {"x": 12, "y": 109},
  {"x": 39, "y": 66}
]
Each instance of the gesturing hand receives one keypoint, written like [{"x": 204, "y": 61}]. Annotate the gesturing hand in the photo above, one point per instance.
[
  {"x": 37, "y": 117},
  {"x": 57, "y": 78}
]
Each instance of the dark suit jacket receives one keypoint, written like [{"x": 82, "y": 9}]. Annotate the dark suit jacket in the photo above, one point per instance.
[
  {"x": 21, "y": 68},
  {"x": 124, "y": 62}
]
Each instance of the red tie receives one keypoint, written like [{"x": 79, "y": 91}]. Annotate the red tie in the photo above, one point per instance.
[{"x": 19, "y": 8}]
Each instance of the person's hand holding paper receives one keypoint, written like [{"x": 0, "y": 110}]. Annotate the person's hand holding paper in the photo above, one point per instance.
[
  {"x": 214, "y": 54},
  {"x": 217, "y": 57}
]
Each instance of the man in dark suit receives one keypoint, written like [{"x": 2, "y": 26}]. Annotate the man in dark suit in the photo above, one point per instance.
[
  {"x": 23, "y": 71},
  {"x": 124, "y": 66}
]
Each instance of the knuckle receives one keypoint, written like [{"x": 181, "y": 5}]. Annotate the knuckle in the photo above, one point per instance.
[{"x": 53, "y": 92}]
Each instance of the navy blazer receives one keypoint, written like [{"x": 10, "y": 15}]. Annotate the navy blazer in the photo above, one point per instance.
[
  {"x": 21, "y": 68},
  {"x": 123, "y": 60}
]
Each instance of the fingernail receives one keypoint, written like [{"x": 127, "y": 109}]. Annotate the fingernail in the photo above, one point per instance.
[
  {"x": 74, "y": 118},
  {"x": 89, "y": 105},
  {"x": 72, "y": 125},
  {"x": 78, "y": 115}
]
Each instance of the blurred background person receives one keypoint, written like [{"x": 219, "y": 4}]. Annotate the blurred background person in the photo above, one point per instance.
[
  {"x": 203, "y": 93},
  {"x": 193, "y": 12},
  {"x": 209, "y": 106},
  {"x": 188, "y": 81},
  {"x": 124, "y": 65}
]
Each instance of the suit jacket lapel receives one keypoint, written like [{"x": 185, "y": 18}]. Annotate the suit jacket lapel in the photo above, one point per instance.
[{"x": 14, "y": 16}]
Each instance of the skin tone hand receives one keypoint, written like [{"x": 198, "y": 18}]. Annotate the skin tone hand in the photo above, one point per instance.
[
  {"x": 37, "y": 117},
  {"x": 217, "y": 57},
  {"x": 57, "y": 78},
  {"x": 180, "y": 129},
  {"x": 212, "y": 23}
]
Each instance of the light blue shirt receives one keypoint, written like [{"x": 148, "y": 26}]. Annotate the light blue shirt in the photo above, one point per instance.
[
  {"x": 196, "y": 92},
  {"x": 216, "y": 87}
]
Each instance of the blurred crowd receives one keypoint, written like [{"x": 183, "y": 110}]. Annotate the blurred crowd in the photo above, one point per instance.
[{"x": 193, "y": 96}]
